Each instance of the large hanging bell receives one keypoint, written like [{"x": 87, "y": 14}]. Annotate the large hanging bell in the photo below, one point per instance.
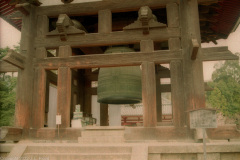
[{"x": 119, "y": 85}]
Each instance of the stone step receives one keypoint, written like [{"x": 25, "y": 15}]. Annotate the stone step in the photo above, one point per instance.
[
  {"x": 79, "y": 156},
  {"x": 78, "y": 149},
  {"x": 90, "y": 133},
  {"x": 101, "y": 139}
]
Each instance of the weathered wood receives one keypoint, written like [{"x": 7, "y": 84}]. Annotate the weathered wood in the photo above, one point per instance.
[
  {"x": 104, "y": 114},
  {"x": 23, "y": 8},
  {"x": 65, "y": 51},
  {"x": 217, "y": 53},
  {"x": 104, "y": 39},
  {"x": 6, "y": 67},
  {"x": 15, "y": 59},
  {"x": 52, "y": 77},
  {"x": 10, "y": 133},
  {"x": 194, "y": 46},
  {"x": 42, "y": 25},
  {"x": 158, "y": 96},
  {"x": 88, "y": 9},
  {"x": 24, "y": 96},
  {"x": 114, "y": 5},
  {"x": 174, "y": 44},
  {"x": 64, "y": 95},
  {"x": 104, "y": 21},
  {"x": 38, "y": 111},
  {"x": 41, "y": 52},
  {"x": 146, "y": 46},
  {"x": 149, "y": 94},
  {"x": 177, "y": 94},
  {"x": 109, "y": 60},
  {"x": 172, "y": 15}
]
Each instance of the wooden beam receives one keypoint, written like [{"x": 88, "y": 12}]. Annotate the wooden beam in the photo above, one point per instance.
[
  {"x": 90, "y": 8},
  {"x": 109, "y": 60},
  {"x": 194, "y": 46},
  {"x": 106, "y": 39},
  {"x": 15, "y": 59},
  {"x": 23, "y": 8},
  {"x": 217, "y": 53},
  {"x": 42, "y": 26},
  {"x": 6, "y": 67},
  {"x": 149, "y": 94}
]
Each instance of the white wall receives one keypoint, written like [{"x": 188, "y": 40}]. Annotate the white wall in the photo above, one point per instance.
[{"x": 9, "y": 36}]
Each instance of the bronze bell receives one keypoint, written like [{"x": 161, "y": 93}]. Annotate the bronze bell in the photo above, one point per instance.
[{"x": 119, "y": 85}]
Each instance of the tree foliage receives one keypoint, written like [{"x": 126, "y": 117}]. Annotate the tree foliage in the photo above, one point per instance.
[
  {"x": 7, "y": 99},
  {"x": 7, "y": 94},
  {"x": 226, "y": 84}
]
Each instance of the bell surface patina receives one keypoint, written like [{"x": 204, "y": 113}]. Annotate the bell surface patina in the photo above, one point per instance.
[{"x": 119, "y": 85}]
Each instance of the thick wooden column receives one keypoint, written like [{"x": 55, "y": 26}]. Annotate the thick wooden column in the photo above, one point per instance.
[
  {"x": 104, "y": 26},
  {"x": 177, "y": 93},
  {"x": 149, "y": 94},
  {"x": 64, "y": 88},
  {"x": 24, "y": 97},
  {"x": 192, "y": 69}
]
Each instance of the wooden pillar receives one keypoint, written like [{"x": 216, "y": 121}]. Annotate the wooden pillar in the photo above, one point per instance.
[
  {"x": 104, "y": 114},
  {"x": 24, "y": 97},
  {"x": 192, "y": 69},
  {"x": 149, "y": 94},
  {"x": 104, "y": 26},
  {"x": 178, "y": 108},
  {"x": 148, "y": 87},
  {"x": 158, "y": 96},
  {"x": 38, "y": 111},
  {"x": 64, "y": 88},
  {"x": 105, "y": 21}
]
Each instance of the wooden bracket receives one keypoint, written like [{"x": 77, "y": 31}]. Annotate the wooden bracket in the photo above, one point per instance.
[
  {"x": 15, "y": 59},
  {"x": 194, "y": 48},
  {"x": 145, "y": 21},
  {"x": 65, "y": 26},
  {"x": 24, "y": 8}
]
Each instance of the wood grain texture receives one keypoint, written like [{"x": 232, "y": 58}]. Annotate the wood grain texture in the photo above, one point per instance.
[
  {"x": 174, "y": 44},
  {"x": 109, "y": 60},
  {"x": 38, "y": 111},
  {"x": 106, "y": 39},
  {"x": 194, "y": 46},
  {"x": 104, "y": 114},
  {"x": 64, "y": 95},
  {"x": 172, "y": 15},
  {"x": 42, "y": 25},
  {"x": 6, "y": 67},
  {"x": 177, "y": 94},
  {"x": 146, "y": 46},
  {"x": 104, "y": 21},
  {"x": 217, "y": 53},
  {"x": 89, "y": 8},
  {"x": 149, "y": 94},
  {"x": 15, "y": 59}
]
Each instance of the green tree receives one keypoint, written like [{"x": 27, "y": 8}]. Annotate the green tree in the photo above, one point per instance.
[
  {"x": 226, "y": 94},
  {"x": 7, "y": 94}
]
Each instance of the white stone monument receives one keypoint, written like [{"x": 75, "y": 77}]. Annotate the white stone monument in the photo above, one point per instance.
[{"x": 77, "y": 117}]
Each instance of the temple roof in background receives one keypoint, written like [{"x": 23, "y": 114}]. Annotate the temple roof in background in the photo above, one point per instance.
[{"x": 217, "y": 19}]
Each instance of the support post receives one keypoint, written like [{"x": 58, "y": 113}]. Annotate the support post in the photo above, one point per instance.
[
  {"x": 38, "y": 110},
  {"x": 64, "y": 88},
  {"x": 149, "y": 94},
  {"x": 158, "y": 96},
  {"x": 177, "y": 93},
  {"x": 105, "y": 21},
  {"x": 104, "y": 114}
]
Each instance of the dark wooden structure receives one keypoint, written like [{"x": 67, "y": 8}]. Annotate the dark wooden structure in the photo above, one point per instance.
[{"x": 174, "y": 38}]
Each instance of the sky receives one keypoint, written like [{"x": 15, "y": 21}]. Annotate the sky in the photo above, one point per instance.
[{"x": 11, "y": 36}]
